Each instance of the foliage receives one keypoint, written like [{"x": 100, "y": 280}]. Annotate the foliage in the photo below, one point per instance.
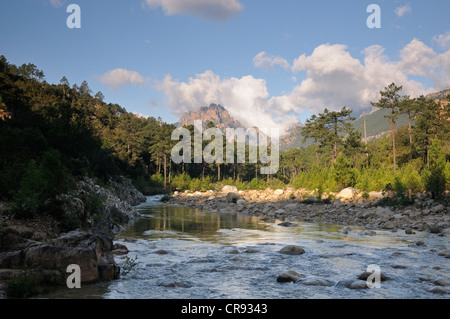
[
  {"x": 129, "y": 265},
  {"x": 435, "y": 180},
  {"x": 24, "y": 285}
]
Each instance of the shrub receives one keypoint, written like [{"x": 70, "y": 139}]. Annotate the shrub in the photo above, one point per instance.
[
  {"x": 41, "y": 181},
  {"x": 435, "y": 179},
  {"x": 181, "y": 182},
  {"x": 22, "y": 286},
  {"x": 275, "y": 183}
]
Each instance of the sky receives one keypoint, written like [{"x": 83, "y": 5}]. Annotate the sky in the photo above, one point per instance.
[{"x": 271, "y": 63}]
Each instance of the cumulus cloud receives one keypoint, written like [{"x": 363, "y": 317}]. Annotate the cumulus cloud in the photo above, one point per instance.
[
  {"x": 401, "y": 11},
  {"x": 443, "y": 40},
  {"x": 246, "y": 98},
  {"x": 332, "y": 78},
  {"x": 119, "y": 77},
  {"x": 265, "y": 61},
  {"x": 217, "y": 10}
]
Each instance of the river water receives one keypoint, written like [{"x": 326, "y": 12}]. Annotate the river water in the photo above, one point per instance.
[{"x": 217, "y": 256}]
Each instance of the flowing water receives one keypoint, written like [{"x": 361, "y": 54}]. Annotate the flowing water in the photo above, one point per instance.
[{"x": 218, "y": 256}]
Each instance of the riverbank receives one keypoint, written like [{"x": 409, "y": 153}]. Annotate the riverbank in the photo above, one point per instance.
[
  {"x": 349, "y": 209},
  {"x": 35, "y": 252}
]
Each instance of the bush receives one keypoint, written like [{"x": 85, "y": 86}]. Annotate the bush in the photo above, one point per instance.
[
  {"x": 181, "y": 182},
  {"x": 275, "y": 183},
  {"x": 41, "y": 182},
  {"x": 257, "y": 184},
  {"x": 22, "y": 286},
  {"x": 435, "y": 179}
]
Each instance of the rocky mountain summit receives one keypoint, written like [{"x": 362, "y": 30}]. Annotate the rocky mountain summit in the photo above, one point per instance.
[{"x": 214, "y": 113}]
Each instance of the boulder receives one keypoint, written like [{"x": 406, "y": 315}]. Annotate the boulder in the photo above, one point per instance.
[
  {"x": 229, "y": 188},
  {"x": 288, "y": 276},
  {"x": 287, "y": 224},
  {"x": 347, "y": 193},
  {"x": 366, "y": 275},
  {"x": 233, "y": 197},
  {"x": 442, "y": 282},
  {"x": 241, "y": 202},
  {"x": 375, "y": 195},
  {"x": 278, "y": 192},
  {"x": 437, "y": 209},
  {"x": 358, "y": 284},
  {"x": 292, "y": 250},
  {"x": 439, "y": 290},
  {"x": 92, "y": 252},
  {"x": 318, "y": 282}
]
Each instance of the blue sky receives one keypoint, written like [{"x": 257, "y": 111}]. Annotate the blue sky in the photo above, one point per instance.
[{"x": 269, "y": 62}]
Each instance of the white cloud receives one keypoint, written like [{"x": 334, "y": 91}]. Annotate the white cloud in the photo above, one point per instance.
[
  {"x": 119, "y": 77},
  {"x": 246, "y": 98},
  {"x": 217, "y": 10},
  {"x": 57, "y": 3},
  {"x": 401, "y": 11},
  {"x": 262, "y": 60},
  {"x": 443, "y": 40},
  {"x": 332, "y": 78}
]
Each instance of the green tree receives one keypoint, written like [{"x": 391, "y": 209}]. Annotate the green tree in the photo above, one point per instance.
[
  {"x": 390, "y": 99},
  {"x": 435, "y": 183}
]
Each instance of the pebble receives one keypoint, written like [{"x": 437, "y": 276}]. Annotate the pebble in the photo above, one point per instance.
[{"x": 161, "y": 252}]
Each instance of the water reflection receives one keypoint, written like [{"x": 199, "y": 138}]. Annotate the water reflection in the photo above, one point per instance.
[{"x": 170, "y": 221}]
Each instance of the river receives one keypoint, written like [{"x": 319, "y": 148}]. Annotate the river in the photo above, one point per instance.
[{"x": 184, "y": 253}]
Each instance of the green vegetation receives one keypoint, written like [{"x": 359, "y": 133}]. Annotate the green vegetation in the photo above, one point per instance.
[
  {"x": 51, "y": 134},
  {"x": 25, "y": 285}
]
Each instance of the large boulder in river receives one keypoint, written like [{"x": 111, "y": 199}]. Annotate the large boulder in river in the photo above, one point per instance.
[
  {"x": 292, "y": 250},
  {"x": 92, "y": 252}
]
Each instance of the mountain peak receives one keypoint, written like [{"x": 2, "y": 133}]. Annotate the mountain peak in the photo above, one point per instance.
[{"x": 215, "y": 113}]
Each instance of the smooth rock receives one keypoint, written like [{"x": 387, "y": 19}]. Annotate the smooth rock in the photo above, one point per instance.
[
  {"x": 366, "y": 275},
  {"x": 358, "y": 284},
  {"x": 288, "y": 276},
  {"x": 287, "y": 224},
  {"x": 292, "y": 250},
  {"x": 347, "y": 193},
  {"x": 317, "y": 282},
  {"x": 439, "y": 290},
  {"x": 229, "y": 188},
  {"x": 278, "y": 192},
  {"x": 442, "y": 282},
  {"x": 233, "y": 197},
  {"x": 161, "y": 252}
]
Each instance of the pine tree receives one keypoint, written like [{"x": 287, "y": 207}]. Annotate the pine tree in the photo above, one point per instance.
[{"x": 390, "y": 99}]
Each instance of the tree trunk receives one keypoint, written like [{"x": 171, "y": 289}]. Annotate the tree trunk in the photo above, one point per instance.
[
  {"x": 165, "y": 169},
  {"x": 335, "y": 152},
  {"x": 218, "y": 172},
  {"x": 317, "y": 153},
  {"x": 393, "y": 146},
  {"x": 170, "y": 171},
  {"x": 410, "y": 137}
]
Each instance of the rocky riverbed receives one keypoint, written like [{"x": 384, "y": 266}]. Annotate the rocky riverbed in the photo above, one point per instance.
[
  {"x": 38, "y": 251},
  {"x": 350, "y": 208}
]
